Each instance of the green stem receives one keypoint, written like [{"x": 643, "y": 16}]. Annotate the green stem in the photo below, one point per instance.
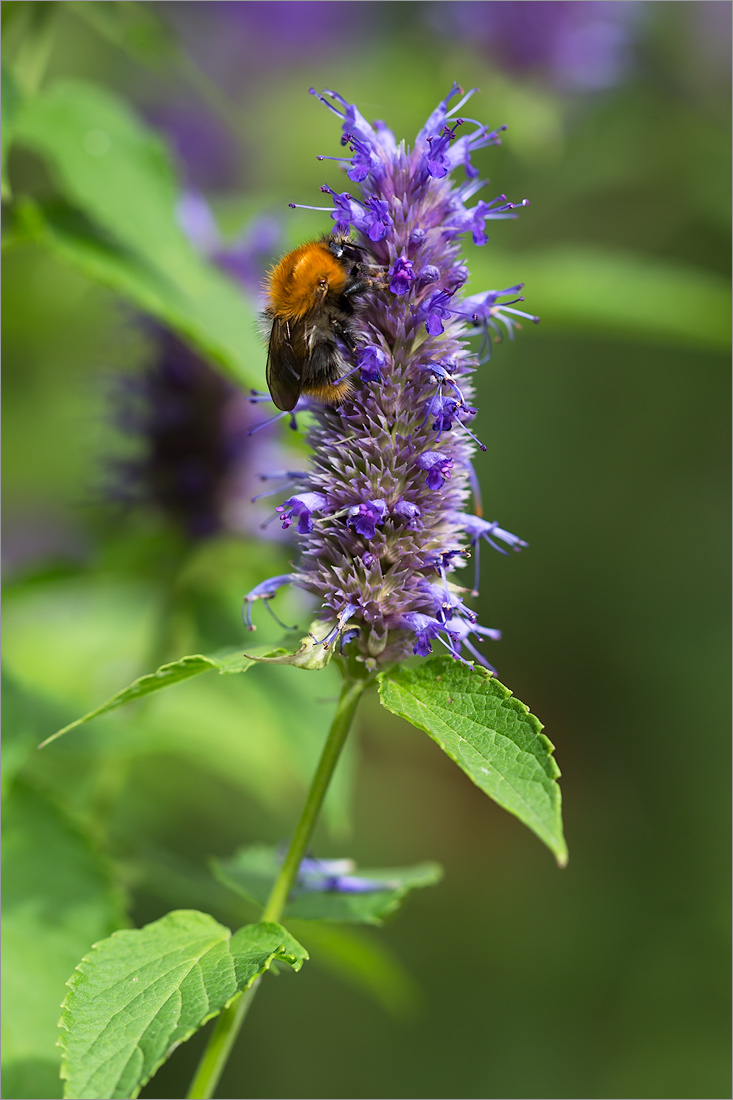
[{"x": 231, "y": 1019}]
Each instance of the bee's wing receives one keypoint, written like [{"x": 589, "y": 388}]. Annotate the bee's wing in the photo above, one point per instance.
[{"x": 284, "y": 366}]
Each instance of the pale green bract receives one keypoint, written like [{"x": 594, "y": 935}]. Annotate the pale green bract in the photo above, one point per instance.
[{"x": 141, "y": 992}]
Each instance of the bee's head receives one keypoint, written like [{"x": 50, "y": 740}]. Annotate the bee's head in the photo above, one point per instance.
[{"x": 343, "y": 248}]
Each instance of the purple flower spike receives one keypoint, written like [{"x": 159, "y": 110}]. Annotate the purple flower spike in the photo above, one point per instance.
[
  {"x": 391, "y": 469},
  {"x": 195, "y": 458},
  {"x": 364, "y": 160},
  {"x": 436, "y": 161},
  {"x": 430, "y": 274},
  {"x": 479, "y": 528}
]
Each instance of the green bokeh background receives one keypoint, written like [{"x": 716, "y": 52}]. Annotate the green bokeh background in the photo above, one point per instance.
[{"x": 608, "y": 449}]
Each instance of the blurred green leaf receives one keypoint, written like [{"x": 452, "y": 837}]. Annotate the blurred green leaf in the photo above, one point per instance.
[
  {"x": 620, "y": 294},
  {"x": 75, "y": 240},
  {"x": 172, "y": 673},
  {"x": 78, "y": 638},
  {"x": 57, "y": 900},
  {"x": 141, "y": 993},
  {"x": 242, "y": 732},
  {"x": 72, "y": 641},
  {"x": 490, "y": 735},
  {"x": 10, "y": 100},
  {"x": 33, "y": 46},
  {"x": 252, "y": 871},
  {"x": 355, "y": 956},
  {"x": 131, "y": 26},
  {"x": 267, "y": 736},
  {"x": 118, "y": 173},
  {"x": 26, "y": 717},
  {"x": 9, "y": 13},
  {"x": 136, "y": 29},
  {"x": 110, "y": 165}
]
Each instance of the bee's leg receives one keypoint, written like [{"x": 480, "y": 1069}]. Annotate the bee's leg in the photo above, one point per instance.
[
  {"x": 344, "y": 335},
  {"x": 361, "y": 286}
]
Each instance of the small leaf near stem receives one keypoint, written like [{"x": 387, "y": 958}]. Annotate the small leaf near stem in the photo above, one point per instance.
[{"x": 231, "y": 1019}]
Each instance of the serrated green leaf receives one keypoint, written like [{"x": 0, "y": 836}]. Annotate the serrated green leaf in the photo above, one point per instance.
[
  {"x": 118, "y": 173},
  {"x": 252, "y": 871},
  {"x": 229, "y": 661},
  {"x": 140, "y": 993},
  {"x": 490, "y": 735},
  {"x": 58, "y": 897}
]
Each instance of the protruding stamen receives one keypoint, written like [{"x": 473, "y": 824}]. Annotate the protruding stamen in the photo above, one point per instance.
[{"x": 264, "y": 591}]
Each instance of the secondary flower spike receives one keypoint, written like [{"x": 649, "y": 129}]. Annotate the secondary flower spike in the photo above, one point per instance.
[{"x": 382, "y": 513}]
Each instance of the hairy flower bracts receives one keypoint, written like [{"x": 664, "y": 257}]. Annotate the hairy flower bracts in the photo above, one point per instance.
[{"x": 383, "y": 514}]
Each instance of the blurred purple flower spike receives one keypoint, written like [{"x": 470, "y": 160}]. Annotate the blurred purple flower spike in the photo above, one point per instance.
[
  {"x": 572, "y": 44},
  {"x": 196, "y": 460}
]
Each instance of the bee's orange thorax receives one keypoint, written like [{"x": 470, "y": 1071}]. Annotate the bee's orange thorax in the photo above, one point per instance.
[{"x": 303, "y": 279}]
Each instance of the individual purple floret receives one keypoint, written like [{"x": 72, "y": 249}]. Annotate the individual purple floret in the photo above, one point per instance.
[
  {"x": 264, "y": 591},
  {"x": 391, "y": 466},
  {"x": 301, "y": 508},
  {"x": 371, "y": 361},
  {"x": 438, "y": 467},
  {"x": 402, "y": 276},
  {"x": 365, "y": 517}
]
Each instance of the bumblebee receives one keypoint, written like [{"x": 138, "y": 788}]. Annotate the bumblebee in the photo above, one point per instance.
[{"x": 313, "y": 296}]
